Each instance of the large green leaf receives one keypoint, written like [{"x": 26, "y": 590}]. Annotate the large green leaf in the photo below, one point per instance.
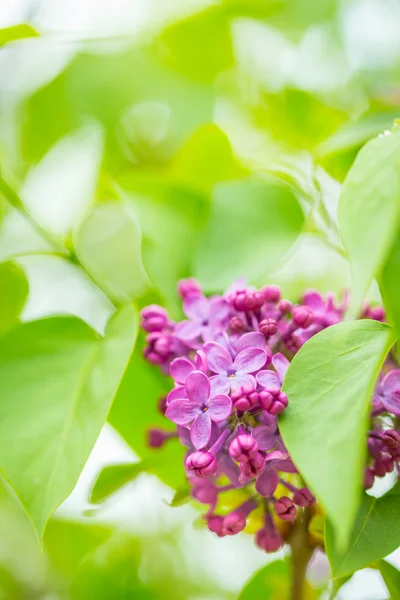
[
  {"x": 16, "y": 32},
  {"x": 369, "y": 211},
  {"x": 135, "y": 409},
  {"x": 390, "y": 285},
  {"x": 391, "y": 577},
  {"x": 170, "y": 217},
  {"x": 57, "y": 381},
  {"x": 272, "y": 582},
  {"x": 376, "y": 534},
  {"x": 253, "y": 222},
  {"x": 13, "y": 294},
  {"x": 329, "y": 385},
  {"x": 108, "y": 245}
]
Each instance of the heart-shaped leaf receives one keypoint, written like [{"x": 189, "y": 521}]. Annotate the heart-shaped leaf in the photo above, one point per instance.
[
  {"x": 57, "y": 381},
  {"x": 329, "y": 385}
]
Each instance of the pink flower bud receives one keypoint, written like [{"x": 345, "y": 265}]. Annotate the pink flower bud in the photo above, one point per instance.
[
  {"x": 234, "y": 523},
  {"x": 202, "y": 463},
  {"x": 270, "y": 541},
  {"x": 303, "y": 497},
  {"x": 268, "y": 327},
  {"x": 243, "y": 447},
  {"x": 236, "y": 325},
  {"x": 285, "y": 306},
  {"x": 189, "y": 287},
  {"x": 391, "y": 438},
  {"x": 369, "y": 478},
  {"x": 285, "y": 509},
  {"x": 215, "y": 524},
  {"x": 279, "y": 403},
  {"x": 271, "y": 293},
  {"x": 303, "y": 316}
]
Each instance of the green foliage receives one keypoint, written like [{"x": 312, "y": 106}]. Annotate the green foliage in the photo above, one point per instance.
[
  {"x": 369, "y": 211},
  {"x": 58, "y": 380},
  {"x": 16, "y": 32},
  {"x": 234, "y": 243},
  {"x": 112, "y": 478},
  {"x": 376, "y": 534},
  {"x": 108, "y": 245},
  {"x": 329, "y": 383},
  {"x": 391, "y": 577},
  {"x": 13, "y": 292}
]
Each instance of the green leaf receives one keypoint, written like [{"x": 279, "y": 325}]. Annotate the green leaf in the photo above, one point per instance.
[
  {"x": 114, "y": 477},
  {"x": 329, "y": 385},
  {"x": 253, "y": 222},
  {"x": 369, "y": 211},
  {"x": 336, "y": 585},
  {"x": 206, "y": 159},
  {"x": 16, "y": 32},
  {"x": 135, "y": 409},
  {"x": 272, "y": 582},
  {"x": 391, "y": 577},
  {"x": 376, "y": 534},
  {"x": 108, "y": 244},
  {"x": 180, "y": 498},
  {"x": 13, "y": 293},
  {"x": 57, "y": 381},
  {"x": 61, "y": 188},
  {"x": 390, "y": 285},
  {"x": 180, "y": 44},
  {"x": 170, "y": 217}
]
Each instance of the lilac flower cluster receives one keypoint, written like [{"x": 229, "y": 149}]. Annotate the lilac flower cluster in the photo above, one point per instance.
[{"x": 228, "y": 360}]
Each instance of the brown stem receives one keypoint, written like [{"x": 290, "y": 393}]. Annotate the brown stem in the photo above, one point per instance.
[{"x": 301, "y": 555}]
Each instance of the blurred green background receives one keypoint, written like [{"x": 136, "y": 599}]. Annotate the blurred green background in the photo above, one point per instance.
[{"x": 146, "y": 141}]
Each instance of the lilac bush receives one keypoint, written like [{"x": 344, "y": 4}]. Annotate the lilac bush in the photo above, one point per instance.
[{"x": 228, "y": 361}]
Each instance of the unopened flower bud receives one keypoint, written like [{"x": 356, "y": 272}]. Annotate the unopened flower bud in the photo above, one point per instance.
[
  {"x": 236, "y": 325},
  {"x": 243, "y": 447},
  {"x": 279, "y": 403},
  {"x": 285, "y": 509},
  {"x": 271, "y": 293},
  {"x": 303, "y": 497},
  {"x": 391, "y": 438},
  {"x": 383, "y": 466},
  {"x": 251, "y": 467},
  {"x": 189, "y": 287},
  {"x": 268, "y": 327},
  {"x": 154, "y": 318},
  {"x": 270, "y": 541},
  {"x": 156, "y": 438},
  {"x": 202, "y": 463},
  {"x": 285, "y": 306},
  {"x": 233, "y": 523},
  {"x": 215, "y": 524},
  {"x": 266, "y": 400},
  {"x": 369, "y": 477},
  {"x": 205, "y": 492},
  {"x": 303, "y": 316},
  {"x": 238, "y": 301}
]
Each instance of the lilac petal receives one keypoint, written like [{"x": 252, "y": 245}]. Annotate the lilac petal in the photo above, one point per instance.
[
  {"x": 286, "y": 466},
  {"x": 188, "y": 330},
  {"x": 269, "y": 380},
  {"x": 267, "y": 482},
  {"x": 177, "y": 393},
  {"x": 220, "y": 384},
  {"x": 200, "y": 431},
  {"x": 264, "y": 438},
  {"x": 196, "y": 307},
  {"x": 218, "y": 310},
  {"x": 180, "y": 368},
  {"x": 200, "y": 361},
  {"x": 184, "y": 436},
  {"x": 254, "y": 339},
  {"x": 219, "y": 359},
  {"x": 314, "y": 301},
  {"x": 182, "y": 412},
  {"x": 242, "y": 379},
  {"x": 391, "y": 402},
  {"x": 219, "y": 407},
  {"x": 277, "y": 455},
  {"x": 250, "y": 360},
  {"x": 391, "y": 381},
  {"x": 198, "y": 387},
  {"x": 281, "y": 364}
]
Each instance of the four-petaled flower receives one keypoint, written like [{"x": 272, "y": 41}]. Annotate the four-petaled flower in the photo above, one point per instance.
[
  {"x": 232, "y": 373},
  {"x": 271, "y": 380},
  {"x": 205, "y": 315},
  {"x": 199, "y": 409}
]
